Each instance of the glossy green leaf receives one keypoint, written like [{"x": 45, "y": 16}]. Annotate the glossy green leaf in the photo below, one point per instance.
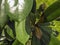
[{"x": 21, "y": 10}]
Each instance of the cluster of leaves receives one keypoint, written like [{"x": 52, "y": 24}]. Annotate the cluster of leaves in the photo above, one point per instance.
[{"x": 29, "y": 22}]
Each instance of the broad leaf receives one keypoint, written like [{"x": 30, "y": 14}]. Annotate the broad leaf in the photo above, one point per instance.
[
  {"x": 23, "y": 30},
  {"x": 55, "y": 14},
  {"x": 53, "y": 11},
  {"x": 20, "y": 10}
]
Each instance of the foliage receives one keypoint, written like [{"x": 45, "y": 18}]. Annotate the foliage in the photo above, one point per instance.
[{"x": 29, "y": 22}]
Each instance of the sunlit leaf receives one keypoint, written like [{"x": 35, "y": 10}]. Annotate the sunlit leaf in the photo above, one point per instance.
[
  {"x": 23, "y": 30},
  {"x": 54, "y": 41},
  {"x": 21, "y": 10},
  {"x": 48, "y": 2}
]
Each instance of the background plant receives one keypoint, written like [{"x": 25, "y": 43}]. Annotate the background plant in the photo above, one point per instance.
[{"x": 29, "y": 22}]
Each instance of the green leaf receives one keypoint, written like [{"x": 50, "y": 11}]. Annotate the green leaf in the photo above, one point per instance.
[
  {"x": 47, "y": 2},
  {"x": 9, "y": 33},
  {"x": 16, "y": 1},
  {"x": 35, "y": 41},
  {"x": 16, "y": 42},
  {"x": 54, "y": 41},
  {"x": 56, "y": 25},
  {"x": 1, "y": 43},
  {"x": 55, "y": 14},
  {"x": 21, "y": 34},
  {"x": 22, "y": 31},
  {"x": 46, "y": 33},
  {"x": 3, "y": 15},
  {"x": 53, "y": 11},
  {"x": 52, "y": 8},
  {"x": 47, "y": 29},
  {"x": 0, "y": 2},
  {"x": 21, "y": 11}
]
